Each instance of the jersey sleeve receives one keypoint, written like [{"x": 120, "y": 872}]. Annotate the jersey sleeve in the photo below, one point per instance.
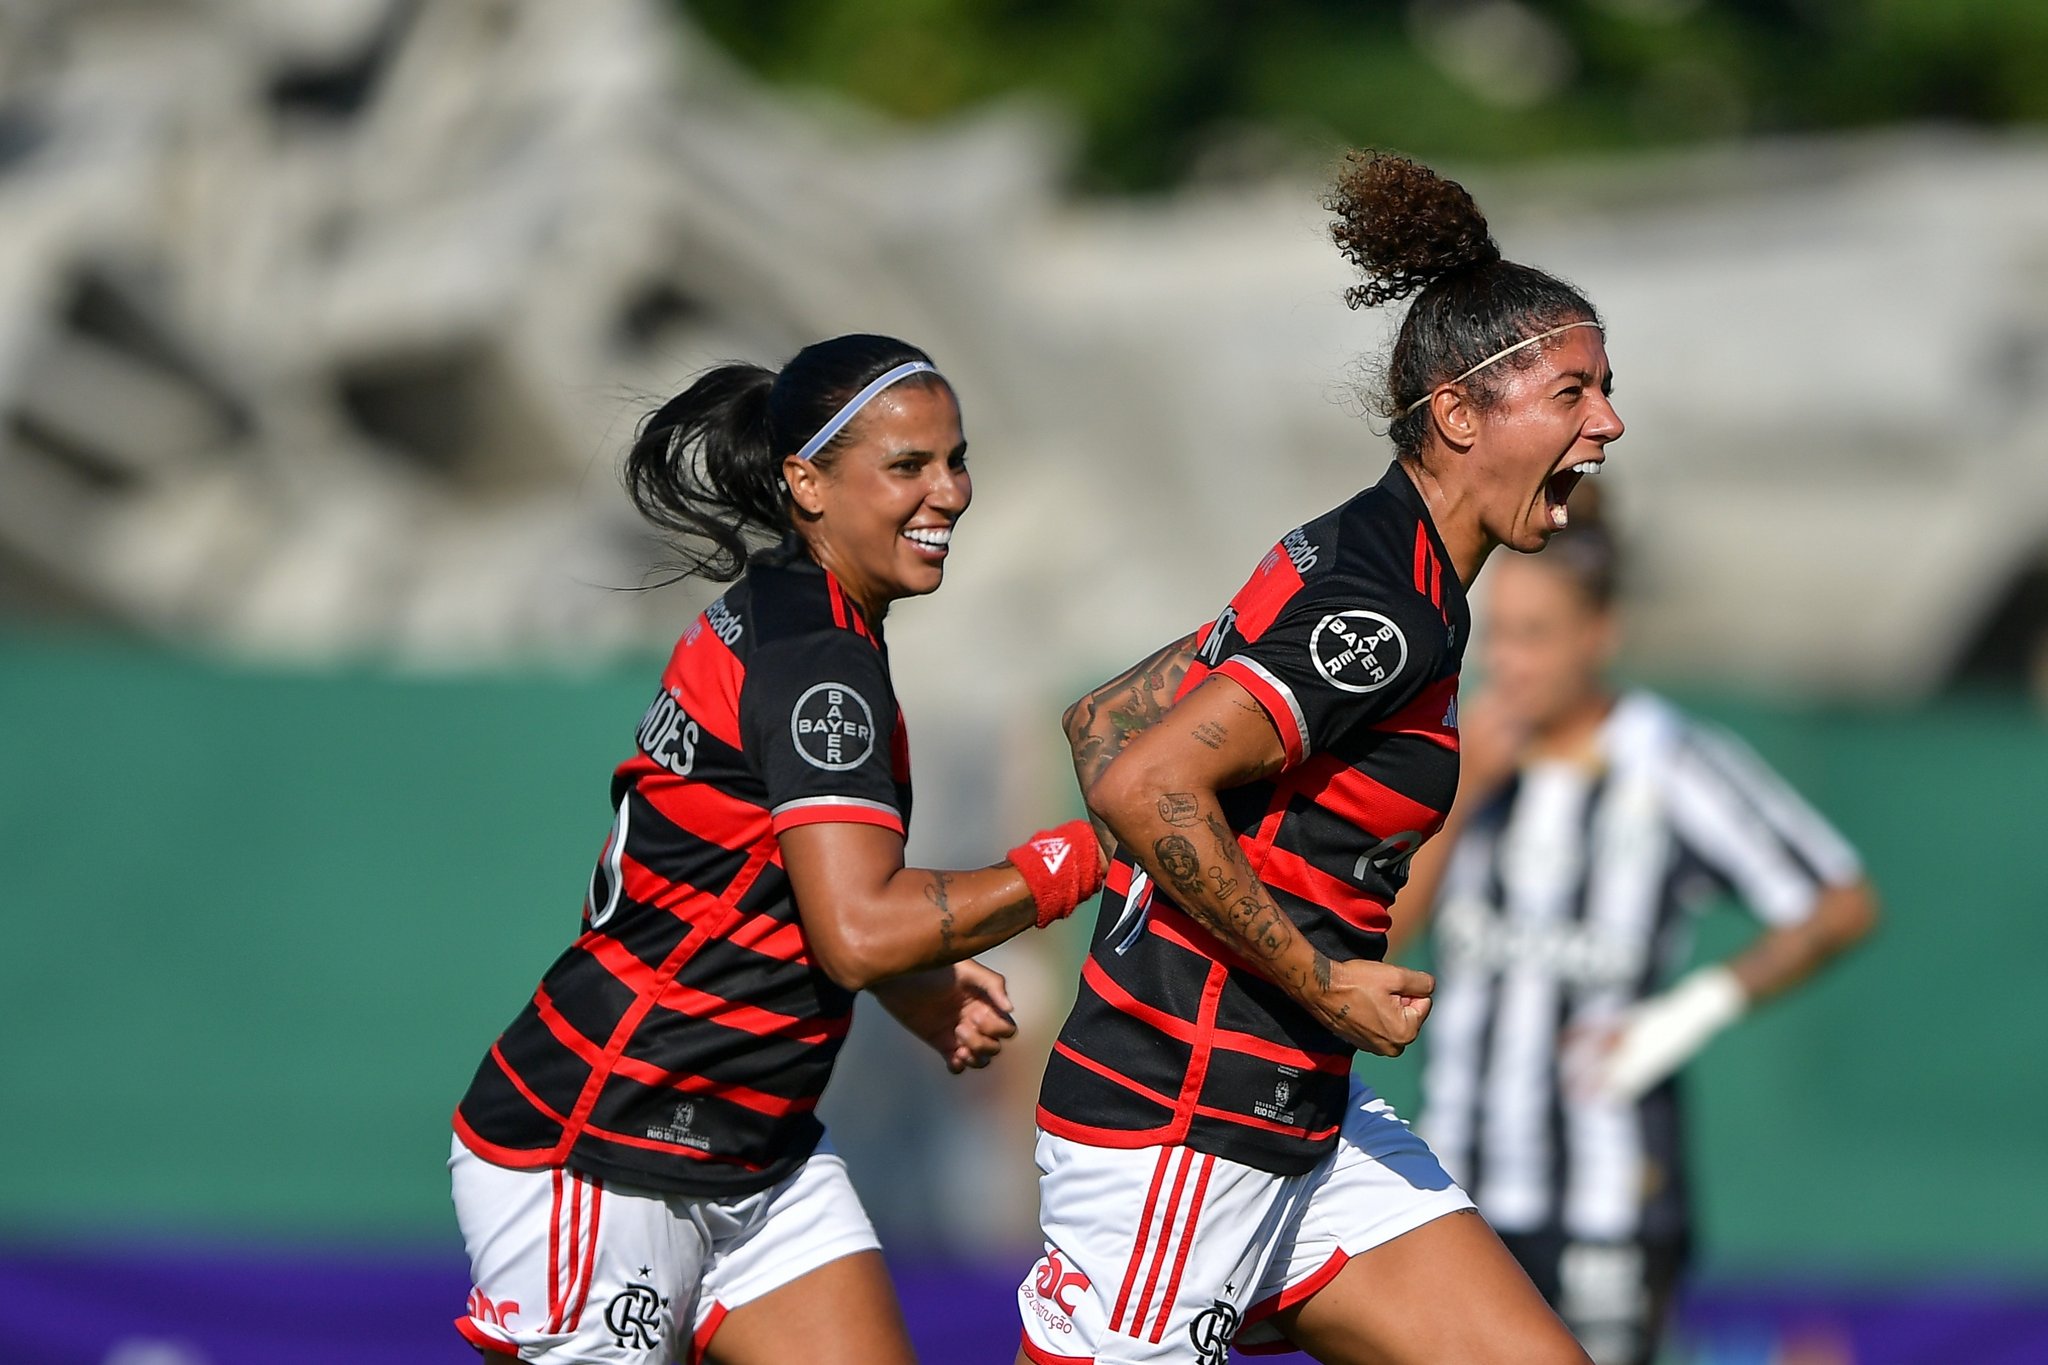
[
  {"x": 1335, "y": 659},
  {"x": 1751, "y": 830},
  {"x": 818, "y": 719}
]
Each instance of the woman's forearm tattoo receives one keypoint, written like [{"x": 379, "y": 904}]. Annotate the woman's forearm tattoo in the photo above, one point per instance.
[
  {"x": 1178, "y": 861},
  {"x": 1104, "y": 722},
  {"x": 939, "y": 892}
]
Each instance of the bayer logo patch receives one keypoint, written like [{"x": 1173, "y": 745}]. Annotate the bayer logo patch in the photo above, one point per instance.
[
  {"x": 833, "y": 727},
  {"x": 1359, "y": 651}
]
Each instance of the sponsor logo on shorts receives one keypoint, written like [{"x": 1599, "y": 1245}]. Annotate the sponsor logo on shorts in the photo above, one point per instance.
[
  {"x": 1358, "y": 651},
  {"x": 481, "y": 1309},
  {"x": 1055, "y": 1291},
  {"x": 1055, "y": 1281},
  {"x": 636, "y": 1318},
  {"x": 1211, "y": 1332},
  {"x": 833, "y": 727}
]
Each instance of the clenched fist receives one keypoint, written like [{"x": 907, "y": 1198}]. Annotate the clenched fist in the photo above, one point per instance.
[{"x": 1375, "y": 1006}]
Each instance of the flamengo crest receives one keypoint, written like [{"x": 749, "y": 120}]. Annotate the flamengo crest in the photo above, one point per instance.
[{"x": 636, "y": 1316}]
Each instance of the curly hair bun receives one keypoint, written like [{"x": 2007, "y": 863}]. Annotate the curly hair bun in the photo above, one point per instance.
[{"x": 1403, "y": 225}]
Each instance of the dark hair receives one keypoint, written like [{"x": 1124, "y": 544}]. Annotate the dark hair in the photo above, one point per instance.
[
  {"x": 1586, "y": 551},
  {"x": 1409, "y": 229},
  {"x": 706, "y": 465}
]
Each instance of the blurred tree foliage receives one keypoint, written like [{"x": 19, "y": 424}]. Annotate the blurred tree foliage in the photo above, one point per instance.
[{"x": 1163, "y": 89}]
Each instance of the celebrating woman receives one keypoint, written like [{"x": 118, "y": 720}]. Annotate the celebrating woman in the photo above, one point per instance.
[
  {"x": 638, "y": 1168},
  {"x": 1592, "y": 826},
  {"x": 1211, "y": 1172}
]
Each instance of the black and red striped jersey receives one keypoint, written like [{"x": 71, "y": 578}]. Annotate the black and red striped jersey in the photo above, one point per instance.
[
  {"x": 682, "y": 1041},
  {"x": 1350, "y": 635}
]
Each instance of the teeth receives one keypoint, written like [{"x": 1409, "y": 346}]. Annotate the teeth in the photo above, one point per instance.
[
  {"x": 1559, "y": 517},
  {"x": 1586, "y": 467},
  {"x": 936, "y": 537}
]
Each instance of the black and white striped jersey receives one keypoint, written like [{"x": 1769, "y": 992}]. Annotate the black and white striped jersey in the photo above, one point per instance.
[{"x": 1568, "y": 898}]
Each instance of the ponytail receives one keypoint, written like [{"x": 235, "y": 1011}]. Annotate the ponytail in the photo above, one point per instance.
[
  {"x": 1409, "y": 230},
  {"x": 706, "y": 466}
]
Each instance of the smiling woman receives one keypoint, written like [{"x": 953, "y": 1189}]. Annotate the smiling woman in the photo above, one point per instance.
[
  {"x": 638, "y": 1168},
  {"x": 1266, "y": 781}
]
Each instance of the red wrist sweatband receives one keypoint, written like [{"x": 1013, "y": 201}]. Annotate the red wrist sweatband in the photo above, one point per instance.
[{"x": 1062, "y": 866}]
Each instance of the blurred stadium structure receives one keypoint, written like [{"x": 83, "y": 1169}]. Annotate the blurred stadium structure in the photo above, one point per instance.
[
  {"x": 322, "y": 323},
  {"x": 310, "y": 347}
]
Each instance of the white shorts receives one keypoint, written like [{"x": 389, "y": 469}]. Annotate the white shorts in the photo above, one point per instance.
[
  {"x": 568, "y": 1268},
  {"x": 1168, "y": 1254}
]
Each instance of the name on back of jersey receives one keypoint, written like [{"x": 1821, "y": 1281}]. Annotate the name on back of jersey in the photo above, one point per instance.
[
  {"x": 668, "y": 736},
  {"x": 1211, "y": 652}
]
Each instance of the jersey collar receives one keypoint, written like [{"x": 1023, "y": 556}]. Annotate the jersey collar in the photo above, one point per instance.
[{"x": 1402, "y": 489}]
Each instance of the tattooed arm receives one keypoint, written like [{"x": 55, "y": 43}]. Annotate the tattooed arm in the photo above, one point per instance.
[
  {"x": 1158, "y": 798},
  {"x": 869, "y": 918},
  {"x": 1103, "y": 723}
]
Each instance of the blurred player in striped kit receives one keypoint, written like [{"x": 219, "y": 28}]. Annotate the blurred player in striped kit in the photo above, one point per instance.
[{"x": 1590, "y": 825}]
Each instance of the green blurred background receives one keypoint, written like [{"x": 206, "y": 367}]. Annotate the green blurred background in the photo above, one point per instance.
[{"x": 269, "y": 920}]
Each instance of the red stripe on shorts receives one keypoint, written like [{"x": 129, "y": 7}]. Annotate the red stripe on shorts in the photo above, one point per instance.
[
  {"x": 589, "y": 1256},
  {"x": 1123, "y": 1296},
  {"x": 1187, "y": 1239},
  {"x": 555, "y": 1252},
  {"x": 1180, "y": 1183},
  {"x": 569, "y": 1268}
]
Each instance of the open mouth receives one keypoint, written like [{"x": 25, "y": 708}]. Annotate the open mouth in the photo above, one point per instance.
[
  {"x": 930, "y": 542},
  {"x": 1558, "y": 488}
]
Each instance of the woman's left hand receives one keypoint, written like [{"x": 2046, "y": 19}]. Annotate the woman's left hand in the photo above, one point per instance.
[{"x": 961, "y": 1011}]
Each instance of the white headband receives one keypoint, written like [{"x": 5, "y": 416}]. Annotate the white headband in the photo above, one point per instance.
[
  {"x": 859, "y": 401},
  {"x": 1497, "y": 355}
]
